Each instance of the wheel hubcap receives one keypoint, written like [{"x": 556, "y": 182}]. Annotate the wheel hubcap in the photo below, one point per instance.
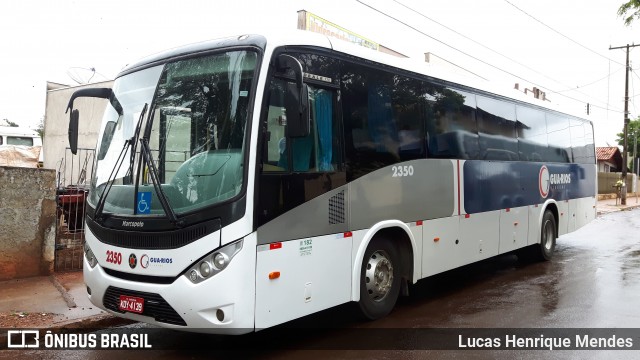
[{"x": 378, "y": 275}]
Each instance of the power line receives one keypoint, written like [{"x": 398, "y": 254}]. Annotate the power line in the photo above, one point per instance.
[
  {"x": 563, "y": 35},
  {"x": 470, "y": 39},
  {"x": 569, "y": 88},
  {"x": 593, "y": 82},
  {"x": 480, "y": 60},
  {"x": 499, "y": 53}
]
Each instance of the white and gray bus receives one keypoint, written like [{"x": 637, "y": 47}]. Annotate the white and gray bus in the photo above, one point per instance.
[{"x": 248, "y": 181}]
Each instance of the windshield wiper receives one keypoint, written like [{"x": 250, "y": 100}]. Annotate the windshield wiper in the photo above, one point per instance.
[
  {"x": 129, "y": 143},
  {"x": 145, "y": 152},
  {"x": 107, "y": 187}
]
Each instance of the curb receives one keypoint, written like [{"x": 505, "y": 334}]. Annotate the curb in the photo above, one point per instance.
[
  {"x": 627, "y": 208},
  {"x": 65, "y": 295}
]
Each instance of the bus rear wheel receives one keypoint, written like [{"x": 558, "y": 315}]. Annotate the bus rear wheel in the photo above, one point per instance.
[
  {"x": 542, "y": 251},
  {"x": 379, "y": 279},
  {"x": 548, "y": 236}
]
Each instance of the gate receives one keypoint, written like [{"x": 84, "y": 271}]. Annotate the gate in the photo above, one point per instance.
[{"x": 73, "y": 176}]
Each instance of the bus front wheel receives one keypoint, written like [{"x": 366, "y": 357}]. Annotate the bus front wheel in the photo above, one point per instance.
[{"x": 379, "y": 279}]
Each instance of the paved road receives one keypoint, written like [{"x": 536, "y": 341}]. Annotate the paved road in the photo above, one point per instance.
[{"x": 593, "y": 282}]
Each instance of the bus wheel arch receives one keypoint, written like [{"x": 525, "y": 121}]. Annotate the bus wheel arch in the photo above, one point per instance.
[
  {"x": 384, "y": 245},
  {"x": 553, "y": 208},
  {"x": 543, "y": 248}
]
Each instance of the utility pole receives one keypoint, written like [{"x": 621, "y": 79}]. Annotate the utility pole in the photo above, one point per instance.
[{"x": 623, "y": 191}]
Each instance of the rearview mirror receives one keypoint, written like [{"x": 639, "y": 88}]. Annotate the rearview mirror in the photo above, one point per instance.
[
  {"x": 296, "y": 104},
  {"x": 73, "y": 131},
  {"x": 103, "y": 93},
  {"x": 296, "y": 100}
]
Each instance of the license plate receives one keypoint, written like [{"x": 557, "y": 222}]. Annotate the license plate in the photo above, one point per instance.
[{"x": 131, "y": 304}]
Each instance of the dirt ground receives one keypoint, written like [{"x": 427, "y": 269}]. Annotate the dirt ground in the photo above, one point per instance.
[{"x": 27, "y": 320}]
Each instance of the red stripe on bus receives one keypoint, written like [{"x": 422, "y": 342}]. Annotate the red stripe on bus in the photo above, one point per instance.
[
  {"x": 274, "y": 246},
  {"x": 459, "y": 212}
]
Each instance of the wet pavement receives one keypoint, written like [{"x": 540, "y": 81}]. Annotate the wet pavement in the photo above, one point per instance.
[{"x": 592, "y": 282}]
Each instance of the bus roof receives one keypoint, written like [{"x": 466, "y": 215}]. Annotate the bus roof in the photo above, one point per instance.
[{"x": 273, "y": 40}]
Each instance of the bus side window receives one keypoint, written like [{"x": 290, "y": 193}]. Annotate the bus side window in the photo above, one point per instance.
[{"x": 313, "y": 153}]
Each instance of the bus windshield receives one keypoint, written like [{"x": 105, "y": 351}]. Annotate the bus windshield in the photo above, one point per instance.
[{"x": 192, "y": 114}]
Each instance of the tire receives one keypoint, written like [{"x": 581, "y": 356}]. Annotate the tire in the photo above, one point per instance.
[
  {"x": 543, "y": 251},
  {"x": 548, "y": 235},
  {"x": 379, "y": 279}
]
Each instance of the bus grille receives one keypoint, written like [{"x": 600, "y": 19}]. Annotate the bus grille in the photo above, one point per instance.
[
  {"x": 336, "y": 208},
  {"x": 147, "y": 240},
  {"x": 154, "y": 305}
]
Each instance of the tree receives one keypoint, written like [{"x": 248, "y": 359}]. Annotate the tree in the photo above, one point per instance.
[
  {"x": 10, "y": 123},
  {"x": 629, "y": 11},
  {"x": 40, "y": 128},
  {"x": 633, "y": 138}
]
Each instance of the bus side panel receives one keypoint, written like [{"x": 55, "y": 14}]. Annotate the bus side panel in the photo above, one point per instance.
[
  {"x": 586, "y": 211},
  {"x": 514, "y": 228},
  {"x": 314, "y": 274},
  {"x": 571, "y": 214},
  {"x": 479, "y": 236},
  {"x": 441, "y": 249},
  {"x": 563, "y": 217},
  {"x": 409, "y": 191},
  {"x": 535, "y": 216}
]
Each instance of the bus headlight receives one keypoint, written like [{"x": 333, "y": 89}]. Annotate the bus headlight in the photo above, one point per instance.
[
  {"x": 220, "y": 260},
  {"x": 205, "y": 269},
  {"x": 91, "y": 259},
  {"x": 213, "y": 263}
]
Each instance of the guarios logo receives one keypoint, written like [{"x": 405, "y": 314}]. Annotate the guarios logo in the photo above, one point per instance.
[
  {"x": 156, "y": 260},
  {"x": 560, "y": 179},
  {"x": 545, "y": 180}
]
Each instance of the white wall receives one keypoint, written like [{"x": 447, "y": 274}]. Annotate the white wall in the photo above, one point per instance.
[{"x": 56, "y": 124}]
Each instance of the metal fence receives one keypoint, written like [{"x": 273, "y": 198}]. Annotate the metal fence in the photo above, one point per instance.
[{"x": 72, "y": 179}]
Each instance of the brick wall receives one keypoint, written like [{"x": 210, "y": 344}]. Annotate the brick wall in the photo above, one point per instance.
[{"x": 27, "y": 222}]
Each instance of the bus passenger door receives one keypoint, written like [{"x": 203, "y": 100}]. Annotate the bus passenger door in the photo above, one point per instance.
[{"x": 301, "y": 214}]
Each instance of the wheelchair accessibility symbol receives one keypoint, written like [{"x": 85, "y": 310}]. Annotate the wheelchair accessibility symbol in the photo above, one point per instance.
[{"x": 144, "y": 202}]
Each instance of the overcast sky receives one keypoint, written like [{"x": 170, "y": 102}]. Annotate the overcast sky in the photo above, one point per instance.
[{"x": 557, "y": 45}]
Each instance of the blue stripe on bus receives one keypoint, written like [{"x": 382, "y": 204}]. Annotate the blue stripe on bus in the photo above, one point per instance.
[{"x": 494, "y": 185}]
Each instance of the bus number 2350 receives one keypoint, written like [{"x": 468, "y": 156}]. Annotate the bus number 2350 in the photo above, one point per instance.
[{"x": 399, "y": 171}]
